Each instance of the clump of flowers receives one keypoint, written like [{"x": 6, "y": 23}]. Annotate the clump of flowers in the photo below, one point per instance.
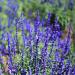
[{"x": 38, "y": 45}]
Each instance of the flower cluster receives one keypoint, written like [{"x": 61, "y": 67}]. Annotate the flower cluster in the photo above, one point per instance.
[{"x": 38, "y": 45}]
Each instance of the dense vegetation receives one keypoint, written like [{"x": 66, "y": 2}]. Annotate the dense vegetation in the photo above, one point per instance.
[{"x": 37, "y": 37}]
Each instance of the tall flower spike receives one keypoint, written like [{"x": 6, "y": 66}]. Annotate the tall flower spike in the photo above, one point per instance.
[
  {"x": 23, "y": 35},
  {"x": 9, "y": 51},
  {"x": 8, "y": 39},
  {"x": 17, "y": 42},
  {"x": 44, "y": 53},
  {"x": 30, "y": 49},
  {"x": 13, "y": 46},
  {"x": 36, "y": 40}
]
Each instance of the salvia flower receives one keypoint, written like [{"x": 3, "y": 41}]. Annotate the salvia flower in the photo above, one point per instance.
[{"x": 44, "y": 48}]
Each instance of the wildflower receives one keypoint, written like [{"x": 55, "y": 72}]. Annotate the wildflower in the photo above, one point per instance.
[
  {"x": 23, "y": 35},
  {"x": 17, "y": 43},
  {"x": 13, "y": 46},
  {"x": 44, "y": 54}
]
